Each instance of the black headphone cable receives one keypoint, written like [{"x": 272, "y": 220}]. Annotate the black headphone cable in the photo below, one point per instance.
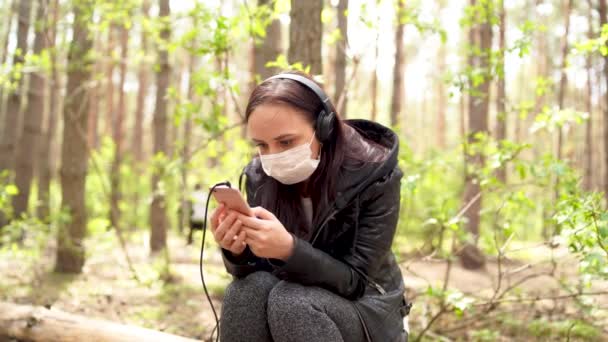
[{"x": 217, "y": 320}]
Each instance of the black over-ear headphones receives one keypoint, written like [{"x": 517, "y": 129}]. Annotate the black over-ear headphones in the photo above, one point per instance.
[{"x": 326, "y": 118}]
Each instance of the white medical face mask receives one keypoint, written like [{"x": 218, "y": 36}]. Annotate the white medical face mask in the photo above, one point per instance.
[{"x": 292, "y": 166}]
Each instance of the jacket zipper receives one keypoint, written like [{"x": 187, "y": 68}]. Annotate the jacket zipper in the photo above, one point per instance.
[
  {"x": 377, "y": 286},
  {"x": 371, "y": 282},
  {"x": 331, "y": 214}
]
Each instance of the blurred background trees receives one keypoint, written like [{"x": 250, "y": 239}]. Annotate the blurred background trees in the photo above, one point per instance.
[{"x": 111, "y": 111}]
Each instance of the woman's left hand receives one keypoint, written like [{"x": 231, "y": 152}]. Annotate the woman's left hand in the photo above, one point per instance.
[{"x": 266, "y": 235}]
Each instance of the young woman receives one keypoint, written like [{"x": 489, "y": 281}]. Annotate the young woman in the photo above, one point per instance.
[{"x": 315, "y": 263}]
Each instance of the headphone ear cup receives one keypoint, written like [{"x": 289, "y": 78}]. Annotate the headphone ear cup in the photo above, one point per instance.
[{"x": 325, "y": 126}]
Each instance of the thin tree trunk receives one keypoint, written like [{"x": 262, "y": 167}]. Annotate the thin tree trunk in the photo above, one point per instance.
[
  {"x": 542, "y": 59},
  {"x": 375, "y": 79},
  {"x": 305, "y": 33},
  {"x": 74, "y": 152},
  {"x": 27, "y": 147},
  {"x": 93, "y": 135},
  {"x": 118, "y": 129},
  {"x": 12, "y": 120},
  {"x": 138, "y": 134},
  {"x": 266, "y": 50},
  {"x": 471, "y": 257},
  {"x": 398, "y": 87},
  {"x": 441, "y": 97},
  {"x": 183, "y": 219},
  {"x": 563, "y": 82},
  {"x": 172, "y": 128},
  {"x": 8, "y": 20},
  {"x": 501, "y": 93},
  {"x": 588, "y": 153},
  {"x": 462, "y": 122},
  {"x": 158, "y": 215},
  {"x": 109, "y": 112},
  {"x": 605, "y": 123},
  {"x": 340, "y": 64},
  {"x": 46, "y": 158}
]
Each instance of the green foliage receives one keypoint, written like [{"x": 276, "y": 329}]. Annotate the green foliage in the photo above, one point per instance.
[
  {"x": 594, "y": 45},
  {"x": 7, "y": 191},
  {"x": 411, "y": 15},
  {"x": 554, "y": 118},
  {"x": 282, "y": 63}
]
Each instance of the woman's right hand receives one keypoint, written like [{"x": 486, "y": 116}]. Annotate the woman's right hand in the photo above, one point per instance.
[{"x": 227, "y": 230}]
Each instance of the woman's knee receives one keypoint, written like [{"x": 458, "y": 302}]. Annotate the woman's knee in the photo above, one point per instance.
[
  {"x": 254, "y": 286},
  {"x": 288, "y": 300}
]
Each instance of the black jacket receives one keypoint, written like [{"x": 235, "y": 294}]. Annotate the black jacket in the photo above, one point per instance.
[{"x": 350, "y": 249}]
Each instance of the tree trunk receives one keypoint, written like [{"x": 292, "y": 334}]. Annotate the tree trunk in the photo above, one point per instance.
[
  {"x": 588, "y": 153},
  {"x": 109, "y": 113},
  {"x": 441, "y": 98},
  {"x": 46, "y": 159},
  {"x": 267, "y": 50},
  {"x": 398, "y": 87},
  {"x": 138, "y": 134},
  {"x": 38, "y": 324},
  {"x": 542, "y": 59},
  {"x": 603, "y": 22},
  {"x": 94, "y": 99},
  {"x": 118, "y": 129},
  {"x": 471, "y": 257},
  {"x": 27, "y": 148},
  {"x": 501, "y": 94},
  {"x": 158, "y": 216},
  {"x": 8, "y": 20},
  {"x": 563, "y": 81},
  {"x": 12, "y": 120},
  {"x": 74, "y": 152},
  {"x": 375, "y": 79},
  {"x": 185, "y": 153},
  {"x": 305, "y": 34},
  {"x": 340, "y": 64}
]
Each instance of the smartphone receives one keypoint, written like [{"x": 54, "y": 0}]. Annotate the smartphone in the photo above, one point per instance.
[{"x": 232, "y": 198}]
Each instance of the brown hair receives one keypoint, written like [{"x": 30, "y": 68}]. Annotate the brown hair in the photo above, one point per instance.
[{"x": 284, "y": 200}]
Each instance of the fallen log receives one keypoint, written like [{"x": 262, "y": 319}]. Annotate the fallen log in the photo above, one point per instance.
[{"x": 38, "y": 324}]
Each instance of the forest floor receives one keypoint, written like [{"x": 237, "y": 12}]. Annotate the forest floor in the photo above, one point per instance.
[{"x": 107, "y": 290}]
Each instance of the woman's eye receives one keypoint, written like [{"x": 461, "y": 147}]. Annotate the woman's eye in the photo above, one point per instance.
[
  {"x": 285, "y": 143},
  {"x": 261, "y": 146}
]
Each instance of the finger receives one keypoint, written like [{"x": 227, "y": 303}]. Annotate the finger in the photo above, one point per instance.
[
  {"x": 231, "y": 234},
  {"x": 216, "y": 215},
  {"x": 223, "y": 227},
  {"x": 263, "y": 213},
  {"x": 251, "y": 222},
  {"x": 252, "y": 234},
  {"x": 239, "y": 244}
]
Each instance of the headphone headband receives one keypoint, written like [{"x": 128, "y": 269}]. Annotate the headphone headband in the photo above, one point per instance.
[
  {"x": 310, "y": 85},
  {"x": 326, "y": 118}
]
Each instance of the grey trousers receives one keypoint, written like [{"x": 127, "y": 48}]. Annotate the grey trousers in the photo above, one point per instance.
[{"x": 260, "y": 307}]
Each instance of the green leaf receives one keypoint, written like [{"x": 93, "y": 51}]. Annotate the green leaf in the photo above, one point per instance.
[{"x": 11, "y": 190}]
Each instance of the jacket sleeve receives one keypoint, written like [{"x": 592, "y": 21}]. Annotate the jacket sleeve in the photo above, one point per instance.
[
  {"x": 347, "y": 277},
  {"x": 246, "y": 263}
]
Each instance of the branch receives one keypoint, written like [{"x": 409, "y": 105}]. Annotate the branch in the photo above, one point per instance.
[{"x": 538, "y": 298}]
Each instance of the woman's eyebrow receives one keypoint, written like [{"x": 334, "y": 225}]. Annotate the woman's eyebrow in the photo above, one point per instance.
[
  {"x": 283, "y": 136},
  {"x": 280, "y": 137}
]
